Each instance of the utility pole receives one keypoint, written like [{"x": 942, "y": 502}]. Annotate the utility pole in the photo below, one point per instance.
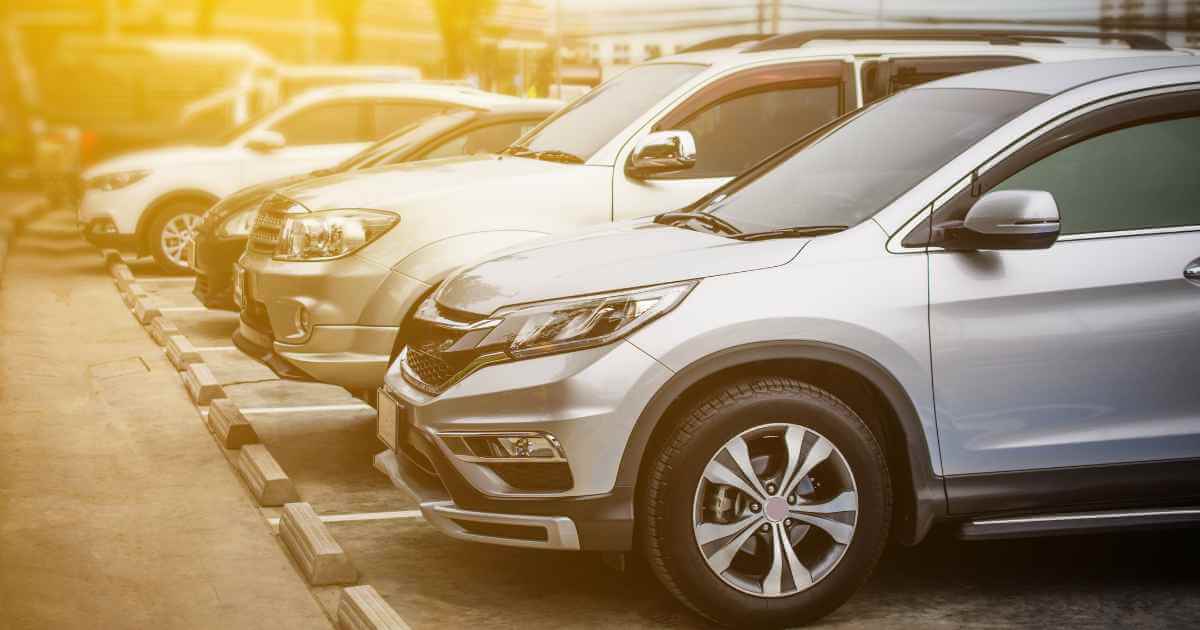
[{"x": 759, "y": 15}]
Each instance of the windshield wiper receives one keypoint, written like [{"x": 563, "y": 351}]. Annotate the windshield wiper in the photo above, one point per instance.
[
  {"x": 549, "y": 155},
  {"x": 721, "y": 226},
  {"x": 517, "y": 150},
  {"x": 792, "y": 232}
]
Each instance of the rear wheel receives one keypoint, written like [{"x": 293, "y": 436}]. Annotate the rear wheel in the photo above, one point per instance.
[
  {"x": 172, "y": 232},
  {"x": 769, "y": 504}
]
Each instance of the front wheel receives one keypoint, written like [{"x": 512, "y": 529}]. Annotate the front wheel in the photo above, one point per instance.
[
  {"x": 171, "y": 234},
  {"x": 768, "y": 505}
]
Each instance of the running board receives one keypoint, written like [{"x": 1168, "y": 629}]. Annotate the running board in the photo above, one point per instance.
[{"x": 1077, "y": 523}]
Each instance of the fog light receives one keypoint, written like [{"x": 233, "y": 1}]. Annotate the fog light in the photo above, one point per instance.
[
  {"x": 104, "y": 226},
  {"x": 504, "y": 447}
]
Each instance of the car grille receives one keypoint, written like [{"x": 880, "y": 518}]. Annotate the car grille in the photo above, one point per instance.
[
  {"x": 434, "y": 356},
  {"x": 268, "y": 224}
]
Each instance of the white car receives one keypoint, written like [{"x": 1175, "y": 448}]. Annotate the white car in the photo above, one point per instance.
[{"x": 150, "y": 202}]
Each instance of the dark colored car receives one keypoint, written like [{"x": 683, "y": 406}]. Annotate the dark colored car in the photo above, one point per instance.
[{"x": 221, "y": 237}]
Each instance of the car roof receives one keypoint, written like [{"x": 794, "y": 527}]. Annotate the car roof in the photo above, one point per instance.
[
  {"x": 456, "y": 94},
  {"x": 721, "y": 59},
  {"x": 1056, "y": 78}
]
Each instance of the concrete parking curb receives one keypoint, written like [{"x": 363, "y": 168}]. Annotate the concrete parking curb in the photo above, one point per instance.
[
  {"x": 269, "y": 484},
  {"x": 202, "y": 386},
  {"x": 132, "y": 292},
  {"x": 162, "y": 328},
  {"x": 229, "y": 425},
  {"x": 321, "y": 558},
  {"x": 146, "y": 308},
  {"x": 111, "y": 257},
  {"x": 181, "y": 352},
  {"x": 362, "y": 608}
]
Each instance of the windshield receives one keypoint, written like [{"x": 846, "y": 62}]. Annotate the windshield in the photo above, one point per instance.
[
  {"x": 845, "y": 176},
  {"x": 589, "y": 123},
  {"x": 405, "y": 139}
]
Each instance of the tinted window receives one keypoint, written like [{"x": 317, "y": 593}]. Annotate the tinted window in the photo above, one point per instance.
[
  {"x": 590, "y": 122},
  {"x": 738, "y": 132},
  {"x": 883, "y": 78},
  {"x": 1133, "y": 178},
  {"x": 328, "y": 123},
  {"x": 490, "y": 139},
  {"x": 849, "y": 173},
  {"x": 390, "y": 116}
]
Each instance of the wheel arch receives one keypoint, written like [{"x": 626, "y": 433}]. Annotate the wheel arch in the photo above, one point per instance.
[
  {"x": 867, "y": 387},
  {"x": 160, "y": 204}
]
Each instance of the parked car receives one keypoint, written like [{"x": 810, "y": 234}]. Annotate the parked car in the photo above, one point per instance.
[
  {"x": 150, "y": 202},
  {"x": 655, "y": 138},
  {"x": 973, "y": 303},
  {"x": 221, "y": 236}
]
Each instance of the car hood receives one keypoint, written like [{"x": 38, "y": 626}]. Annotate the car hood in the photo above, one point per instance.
[
  {"x": 619, "y": 256},
  {"x": 413, "y": 185},
  {"x": 156, "y": 159}
]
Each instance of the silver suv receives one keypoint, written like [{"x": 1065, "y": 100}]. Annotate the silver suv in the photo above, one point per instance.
[{"x": 976, "y": 302}]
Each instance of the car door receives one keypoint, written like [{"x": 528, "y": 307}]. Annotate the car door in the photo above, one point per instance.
[
  {"x": 737, "y": 121},
  {"x": 1067, "y": 376},
  {"x": 317, "y": 136}
]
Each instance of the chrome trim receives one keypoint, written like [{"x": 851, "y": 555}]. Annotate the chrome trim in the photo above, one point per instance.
[
  {"x": 472, "y": 367},
  {"x": 1087, "y": 517},
  {"x": 560, "y": 530}
]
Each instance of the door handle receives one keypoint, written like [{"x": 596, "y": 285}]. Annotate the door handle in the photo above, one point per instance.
[{"x": 1192, "y": 271}]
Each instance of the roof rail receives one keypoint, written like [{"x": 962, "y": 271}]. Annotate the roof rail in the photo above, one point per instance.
[
  {"x": 729, "y": 41},
  {"x": 1136, "y": 41}
]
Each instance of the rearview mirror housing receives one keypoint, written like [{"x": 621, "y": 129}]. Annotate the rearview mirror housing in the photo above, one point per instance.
[
  {"x": 662, "y": 152},
  {"x": 1004, "y": 219},
  {"x": 265, "y": 141}
]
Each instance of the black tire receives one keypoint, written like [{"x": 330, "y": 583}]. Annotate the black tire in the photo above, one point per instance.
[
  {"x": 154, "y": 233},
  {"x": 666, "y": 505}
]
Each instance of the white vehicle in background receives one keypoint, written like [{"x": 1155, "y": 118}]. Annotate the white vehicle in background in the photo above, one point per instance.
[{"x": 150, "y": 202}]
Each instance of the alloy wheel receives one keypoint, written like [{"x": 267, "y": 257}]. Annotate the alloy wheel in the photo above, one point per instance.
[
  {"x": 177, "y": 234},
  {"x": 775, "y": 510}
]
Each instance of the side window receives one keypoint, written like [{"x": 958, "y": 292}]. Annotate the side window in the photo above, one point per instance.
[
  {"x": 327, "y": 123},
  {"x": 881, "y": 78},
  {"x": 1132, "y": 178},
  {"x": 489, "y": 139},
  {"x": 390, "y": 116},
  {"x": 740, "y": 131}
]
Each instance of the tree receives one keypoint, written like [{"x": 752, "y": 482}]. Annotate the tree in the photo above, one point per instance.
[
  {"x": 346, "y": 14},
  {"x": 459, "y": 22},
  {"x": 206, "y": 13}
]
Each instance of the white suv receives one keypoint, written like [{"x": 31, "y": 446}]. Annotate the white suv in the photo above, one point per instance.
[
  {"x": 150, "y": 202},
  {"x": 655, "y": 138}
]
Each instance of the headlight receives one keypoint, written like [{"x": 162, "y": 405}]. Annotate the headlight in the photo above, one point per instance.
[
  {"x": 113, "y": 181},
  {"x": 239, "y": 224},
  {"x": 331, "y": 233},
  {"x": 575, "y": 323}
]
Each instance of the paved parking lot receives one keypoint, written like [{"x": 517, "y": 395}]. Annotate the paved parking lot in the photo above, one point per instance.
[{"x": 111, "y": 486}]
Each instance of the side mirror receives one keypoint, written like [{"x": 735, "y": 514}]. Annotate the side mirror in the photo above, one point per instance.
[
  {"x": 265, "y": 141},
  {"x": 1004, "y": 219},
  {"x": 662, "y": 152}
]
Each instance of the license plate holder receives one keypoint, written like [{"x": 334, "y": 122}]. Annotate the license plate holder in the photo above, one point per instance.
[
  {"x": 392, "y": 423},
  {"x": 239, "y": 286}
]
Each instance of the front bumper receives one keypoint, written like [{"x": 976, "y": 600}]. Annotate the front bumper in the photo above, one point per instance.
[
  {"x": 588, "y": 400},
  {"x": 213, "y": 262},
  {"x": 100, "y": 233},
  {"x": 354, "y": 307}
]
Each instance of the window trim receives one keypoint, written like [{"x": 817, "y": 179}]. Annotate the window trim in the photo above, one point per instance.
[{"x": 1031, "y": 144}]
